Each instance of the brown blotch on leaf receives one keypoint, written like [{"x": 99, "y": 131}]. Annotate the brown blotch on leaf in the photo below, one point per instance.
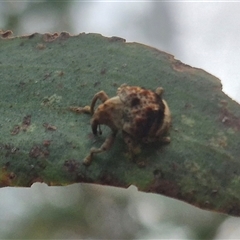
[
  {"x": 229, "y": 120},
  {"x": 11, "y": 175},
  {"x": 162, "y": 186},
  {"x": 188, "y": 106},
  {"x": 16, "y": 129},
  {"x": 7, "y": 164},
  {"x": 49, "y": 127},
  {"x": 47, "y": 75},
  {"x": 26, "y": 122},
  {"x": 141, "y": 164},
  {"x": 117, "y": 39},
  {"x": 14, "y": 150},
  {"x": 233, "y": 209},
  {"x": 96, "y": 84},
  {"x": 61, "y": 73},
  {"x": 47, "y": 143},
  {"x": 38, "y": 152},
  {"x": 214, "y": 192},
  {"x": 6, "y": 34},
  {"x": 180, "y": 67},
  {"x": 64, "y": 35},
  {"x": 31, "y": 36},
  {"x": 71, "y": 165},
  {"x": 103, "y": 71},
  {"x": 10, "y": 149},
  {"x": 108, "y": 179},
  {"x": 48, "y": 37},
  {"x": 6, "y": 177},
  {"x": 41, "y": 46}
]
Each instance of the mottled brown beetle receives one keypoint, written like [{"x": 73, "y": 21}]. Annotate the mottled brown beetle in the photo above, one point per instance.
[{"x": 142, "y": 116}]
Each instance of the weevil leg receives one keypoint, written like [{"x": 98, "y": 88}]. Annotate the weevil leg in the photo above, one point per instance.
[
  {"x": 105, "y": 147},
  {"x": 161, "y": 133},
  {"x": 102, "y": 96},
  {"x": 85, "y": 109},
  {"x": 159, "y": 91}
]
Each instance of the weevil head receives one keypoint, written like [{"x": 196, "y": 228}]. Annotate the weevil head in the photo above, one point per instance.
[{"x": 108, "y": 113}]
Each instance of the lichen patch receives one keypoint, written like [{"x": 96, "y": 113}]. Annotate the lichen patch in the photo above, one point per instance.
[
  {"x": 219, "y": 141},
  {"x": 48, "y": 101},
  {"x": 187, "y": 121}
]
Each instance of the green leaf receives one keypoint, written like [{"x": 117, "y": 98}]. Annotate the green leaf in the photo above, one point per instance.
[{"x": 42, "y": 140}]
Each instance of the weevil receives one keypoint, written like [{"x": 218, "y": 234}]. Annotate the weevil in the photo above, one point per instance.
[{"x": 140, "y": 114}]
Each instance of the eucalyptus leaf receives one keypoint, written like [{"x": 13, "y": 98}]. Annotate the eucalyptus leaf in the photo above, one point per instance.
[{"x": 43, "y": 75}]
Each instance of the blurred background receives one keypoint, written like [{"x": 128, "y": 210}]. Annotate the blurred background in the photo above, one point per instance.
[{"x": 201, "y": 34}]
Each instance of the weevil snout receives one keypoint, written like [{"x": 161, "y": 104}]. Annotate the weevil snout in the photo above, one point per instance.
[{"x": 95, "y": 125}]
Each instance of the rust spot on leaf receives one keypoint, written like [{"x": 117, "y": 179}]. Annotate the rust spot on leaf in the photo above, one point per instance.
[
  {"x": 64, "y": 35},
  {"x": 96, "y": 84},
  {"x": 38, "y": 152},
  {"x": 181, "y": 67},
  {"x": 6, "y": 34},
  {"x": 26, "y": 122},
  {"x": 49, "y": 127},
  {"x": 48, "y": 37},
  {"x": 219, "y": 141},
  {"x": 141, "y": 164},
  {"x": 188, "y": 106},
  {"x": 107, "y": 178},
  {"x": 115, "y": 85},
  {"x": 162, "y": 186},
  {"x": 46, "y": 143},
  {"x": 71, "y": 165},
  {"x": 228, "y": 119},
  {"x": 233, "y": 209},
  {"x": 6, "y": 177},
  {"x": 9, "y": 148},
  {"x": 117, "y": 39},
  {"x": 11, "y": 175},
  {"x": 16, "y": 129},
  {"x": 47, "y": 75},
  {"x": 103, "y": 71},
  {"x": 40, "y": 46},
  {"x": 32, "y": 35},
  {"x": 60, "y": 74}
]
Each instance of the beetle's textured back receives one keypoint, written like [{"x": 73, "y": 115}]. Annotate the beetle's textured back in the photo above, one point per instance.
[{"x": 143, "y": 111}]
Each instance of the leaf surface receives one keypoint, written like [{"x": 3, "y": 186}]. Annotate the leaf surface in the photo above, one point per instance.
[{"x": 41, "y": 76}]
